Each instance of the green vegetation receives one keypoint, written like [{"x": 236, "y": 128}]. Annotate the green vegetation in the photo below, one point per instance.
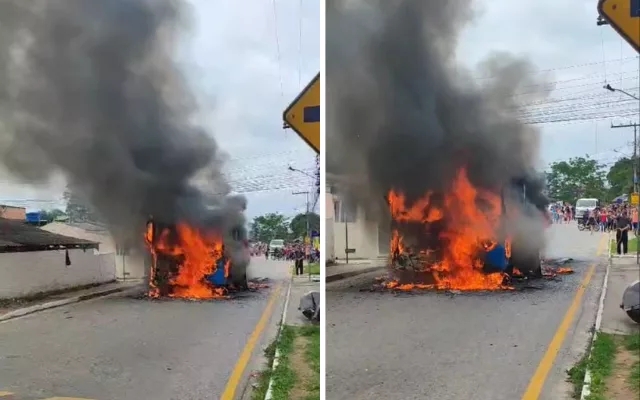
[
  {"x": 633, "y": 245},
  {"x": 312, "y": 332},
  {"x": 585, "y": 177},
  {"x": 277, "y": 226},
  {"x": 632, "y": 343},
  {"x": 313, "y": 269},
  {"x": 295, "y": 343},
  {"x": 602, "y": 365}
]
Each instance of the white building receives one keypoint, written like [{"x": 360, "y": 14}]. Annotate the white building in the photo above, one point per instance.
[{"x": 347, "y": 227}]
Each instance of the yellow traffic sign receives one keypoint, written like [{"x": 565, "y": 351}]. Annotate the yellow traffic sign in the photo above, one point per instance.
[
  {"x": 635, "y": 198},
  {"x": 624, "y": 17},
  {"x": 303, "y": 114}
]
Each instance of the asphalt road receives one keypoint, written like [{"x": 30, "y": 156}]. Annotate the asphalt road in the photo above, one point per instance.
[
  {"x": 484, "y": 346},
  {"x": 122, "y": 348}
]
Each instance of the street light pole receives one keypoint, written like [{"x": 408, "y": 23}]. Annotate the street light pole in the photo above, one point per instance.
[{"x": 612, "y": 89}]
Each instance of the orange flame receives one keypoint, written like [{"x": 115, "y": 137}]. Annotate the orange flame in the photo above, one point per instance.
[
  {"x": 198, "y": 255},
  {"x": 472, "y": 221},
  {"x": 564, "y": 271}
]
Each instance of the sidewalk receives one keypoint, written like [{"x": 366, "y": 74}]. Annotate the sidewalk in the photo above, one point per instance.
[
  {"x": 300, "y": 285},
  {"x": 15, "y": 308},
  {"x": 342, "y": 271},
  {"x": 624, "y": 271}
]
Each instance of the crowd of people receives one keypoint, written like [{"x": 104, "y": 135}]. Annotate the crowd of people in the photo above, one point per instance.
[
  {"x": 620, "y": 218},
  {"x": 289, "y": 252}
]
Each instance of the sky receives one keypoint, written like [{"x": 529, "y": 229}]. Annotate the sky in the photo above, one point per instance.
[
  {"x": 245, "y": 65},
  {"x": 562, "y": 40}
]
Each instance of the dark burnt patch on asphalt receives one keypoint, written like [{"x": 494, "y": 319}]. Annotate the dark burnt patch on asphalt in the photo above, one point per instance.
[
  {"x": 555, "y": 271},
  {"x": 256, "y": 287}
]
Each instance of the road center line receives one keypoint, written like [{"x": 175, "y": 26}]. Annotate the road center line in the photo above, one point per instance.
[
  {"x": 236, "y": 376},
  {"x": 537, "y": 381}
]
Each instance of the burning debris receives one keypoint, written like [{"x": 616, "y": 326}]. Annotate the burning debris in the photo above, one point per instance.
[
  {"x": 448, "y": 154},
  {"x": 90, "y": 89}
]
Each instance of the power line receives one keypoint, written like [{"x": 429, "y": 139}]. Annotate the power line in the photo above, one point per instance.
[{"x": 275, "y": 19}]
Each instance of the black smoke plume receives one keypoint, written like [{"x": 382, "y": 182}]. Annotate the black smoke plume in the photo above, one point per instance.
[
  {"x": 92, "y": 89},
  {"x": 403, "y": 113}
]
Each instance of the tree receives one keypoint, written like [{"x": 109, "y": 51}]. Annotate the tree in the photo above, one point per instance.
[
  {"x": 620, "y": 178},
  {"x": 578, "y": 177},
  {"x": 50, "y": 215},
  {"x": 78, "y": 209},
  {"x": 298, "y": 224},
  {"x": 269, "y": 226}
]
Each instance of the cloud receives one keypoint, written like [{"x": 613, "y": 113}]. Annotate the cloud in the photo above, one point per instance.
[
  {"x": 562, "y": 36},
  {"x": 231, "y": 59}
]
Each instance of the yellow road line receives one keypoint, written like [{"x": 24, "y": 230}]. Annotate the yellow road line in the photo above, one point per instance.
[
  {"x": 2, "y": 394},
  {"x": 236, "y": 376},
  {"x": 537, "y": 381}
]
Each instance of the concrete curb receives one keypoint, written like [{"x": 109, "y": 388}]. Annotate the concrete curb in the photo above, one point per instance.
[
  {"x": 586, "y": 384},
  {"x": 276, "y": 357},
  {"x": 345, "y": 275},
  {"x": 58, "y": 303}
]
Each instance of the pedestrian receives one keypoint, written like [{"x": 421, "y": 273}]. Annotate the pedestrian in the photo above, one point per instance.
[
  {"x": 266, "y": 254},
  {"x": 623, "y": 224},
  {"x": 299, "y": 261}
]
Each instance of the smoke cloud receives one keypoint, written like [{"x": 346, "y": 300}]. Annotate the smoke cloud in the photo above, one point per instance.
[
  {"x": 403, "y": 113},
  {"x": 92, "y": 89}
]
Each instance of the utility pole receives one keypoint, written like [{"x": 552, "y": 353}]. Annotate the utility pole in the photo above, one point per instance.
[
  {"x": 306, "y": 214},
  {"x": 636, "y": 167},
  {"x": 307, "y": 235}
]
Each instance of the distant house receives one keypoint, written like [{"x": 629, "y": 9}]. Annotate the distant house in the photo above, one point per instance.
[
  {"x": 12, "y": 212},
  {"x": 33, "y": 260}
]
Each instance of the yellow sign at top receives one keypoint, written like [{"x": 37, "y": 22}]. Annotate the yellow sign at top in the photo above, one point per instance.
[
  {"x": 624, "y": 17},
  {"x": 635, "y": 199},
  {"x": 303, "y": 114}
]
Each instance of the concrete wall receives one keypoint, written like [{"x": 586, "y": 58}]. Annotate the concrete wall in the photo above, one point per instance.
[
  {"x": 328, "y": 241},
  {"x": 362, "y": 235},
  {"x": 130, "y": 266},
  {"x": 28, "y": 273}
]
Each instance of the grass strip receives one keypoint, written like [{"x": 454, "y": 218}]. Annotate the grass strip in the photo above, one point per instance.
[
  {"x": 632, "y": 343},
  {"x": 600, "y": 364},
  {"x": 313, "y": 269},
  {"x": 633, "y": 245},
  {"x": 283, "y": 376},
  {"x": 312, "y": 332}
]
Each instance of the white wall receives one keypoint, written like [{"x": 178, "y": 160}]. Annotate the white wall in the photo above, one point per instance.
[
  {"x": 27, "y": 273},
  {"x": 127, "y": 267}
]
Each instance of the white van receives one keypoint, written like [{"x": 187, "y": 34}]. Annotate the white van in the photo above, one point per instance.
[
  {"x": 275, "y": 244},
  {"x": 583, "y": 205}
]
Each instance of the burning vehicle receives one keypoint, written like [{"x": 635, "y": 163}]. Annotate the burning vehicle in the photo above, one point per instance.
[
  {"x": 449, "y": 152},
  {"x": 196, "y": 261},
  {"x": 464, "y": 239}
]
